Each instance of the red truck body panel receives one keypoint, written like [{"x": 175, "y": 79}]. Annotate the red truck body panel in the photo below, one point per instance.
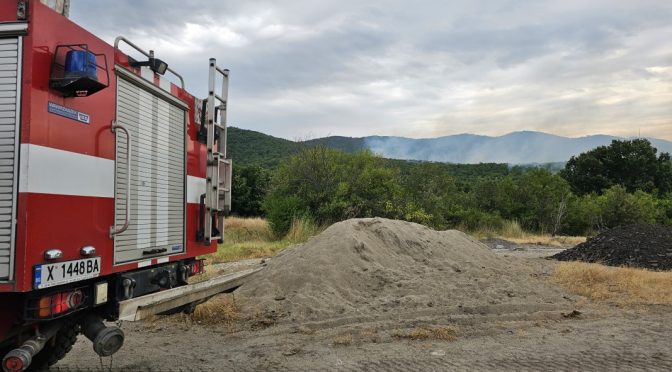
[{"x": 49, "y": 216}]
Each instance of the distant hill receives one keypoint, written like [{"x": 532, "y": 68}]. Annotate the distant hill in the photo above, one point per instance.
[
  {"x": 254, "y": 148},
  {"x": 517, "y": 148},
  {"x": 347, "y": 144},
  {"x": 514, "y": 148}
]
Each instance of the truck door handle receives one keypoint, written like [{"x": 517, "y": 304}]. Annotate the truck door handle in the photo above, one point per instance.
[
  {"x": 113, "y": 229},
  {"x": 154, "y": 251}
]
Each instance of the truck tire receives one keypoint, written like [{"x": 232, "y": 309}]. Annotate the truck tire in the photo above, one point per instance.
[{"x": 56, "y": 348}]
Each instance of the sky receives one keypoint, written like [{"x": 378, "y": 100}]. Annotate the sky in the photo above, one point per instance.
[{"x": 303, "y": 69}]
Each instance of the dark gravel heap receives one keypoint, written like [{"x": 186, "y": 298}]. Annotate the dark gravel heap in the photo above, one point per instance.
[{"x": 645, "y": 246}]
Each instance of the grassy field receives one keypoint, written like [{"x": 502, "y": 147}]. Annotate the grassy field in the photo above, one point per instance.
[
  {"x": 247, "y": 238},
  {"x": 622, "y": 286},
  {"x": 512, "y": 231}
]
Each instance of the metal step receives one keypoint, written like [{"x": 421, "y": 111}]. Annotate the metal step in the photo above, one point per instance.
[{"x": 142, "y": 307}]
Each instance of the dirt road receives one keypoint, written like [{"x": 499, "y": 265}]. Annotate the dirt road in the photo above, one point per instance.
[{"x": 488, "y": 337}]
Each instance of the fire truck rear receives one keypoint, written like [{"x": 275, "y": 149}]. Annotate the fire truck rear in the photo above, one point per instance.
[{"x": 113, "y": 180}]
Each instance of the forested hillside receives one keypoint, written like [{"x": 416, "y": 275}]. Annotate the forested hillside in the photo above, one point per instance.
[
  {"x": 624, "y": 182},
  {"x": 247, "y": 147},
  {"x": 347, "y": 144}
]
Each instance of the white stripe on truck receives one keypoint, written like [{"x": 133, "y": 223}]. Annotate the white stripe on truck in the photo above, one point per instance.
[{"x": 46, "y": 170}]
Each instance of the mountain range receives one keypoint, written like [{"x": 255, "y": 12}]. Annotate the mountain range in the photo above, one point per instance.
[{"x": 526, "y": 147}]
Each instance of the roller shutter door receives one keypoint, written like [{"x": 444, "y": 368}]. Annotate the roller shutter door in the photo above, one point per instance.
[
  {"x": 10, "y": 70},
  {"x": 158, "y": 175}
]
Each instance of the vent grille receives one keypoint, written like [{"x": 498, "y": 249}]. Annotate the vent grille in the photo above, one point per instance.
[
  {"x": 10, "y": 49},
  {"x": 157, "y": 175}
]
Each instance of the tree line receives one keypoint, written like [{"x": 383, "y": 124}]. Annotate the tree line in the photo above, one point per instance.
[{"x": 625, "y": 182}]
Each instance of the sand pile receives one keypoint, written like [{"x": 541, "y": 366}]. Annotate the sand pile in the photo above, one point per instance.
[
  {"x": 646, "y": 246},
  {"x": 369, "y": 266}
]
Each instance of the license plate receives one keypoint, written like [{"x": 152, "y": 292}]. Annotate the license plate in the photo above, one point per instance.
[{"x": 49, "y": 275}]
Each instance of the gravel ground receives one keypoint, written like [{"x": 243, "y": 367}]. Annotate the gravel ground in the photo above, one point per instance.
[
  {"x": 603, "y": 339},
  {"x": 489, "y": 337}
]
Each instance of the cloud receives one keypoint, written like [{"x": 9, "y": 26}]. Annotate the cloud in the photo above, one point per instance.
[{"x": 312, "y": 68}]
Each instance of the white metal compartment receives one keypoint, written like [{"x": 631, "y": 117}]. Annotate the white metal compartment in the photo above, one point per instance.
[
  {"x": 157, "y": 174},
  {"x": 10, "y": 93}
]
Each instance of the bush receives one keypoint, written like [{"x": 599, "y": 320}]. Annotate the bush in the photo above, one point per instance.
[
  {"x": 281, "y": 211},
  {"x": 476, "y": 220},
  {"x": 664, "y": 206},
  {"x": 592, "y": 213},
  {"x": 582, "y": 215},
  {"x": 329, "y": 186},
  {"x": 618, "y": 207}
]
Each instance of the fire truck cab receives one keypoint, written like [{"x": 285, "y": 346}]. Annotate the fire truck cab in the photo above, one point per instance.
[{"x": 113, "y": 180}]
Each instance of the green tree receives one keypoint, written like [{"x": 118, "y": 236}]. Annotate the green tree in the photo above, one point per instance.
[
  {"x": 331, "y": 185},
  {"x": 250, "y": 185},
  {"x": 367, "y": 189},
  {"x": 632, "y": 163},
  {"x": 498, "y": 196},
  {"x": 542, "y": 197},
  {"x": 432, "y": 190}
]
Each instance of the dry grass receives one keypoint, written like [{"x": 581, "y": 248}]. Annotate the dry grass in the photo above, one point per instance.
[
  {"x": 513, "y": 232},
  {"x": 301, "y": 230},
  {"x": 218, "y": 310},
  {"x": 239, "y": 230},
  {"x": 512, "y": 229},
  {"x": 623, "y": 286},
  {"x": 207, "y": 274},
  {"x": 556, "y": 241},
  {"x": 343, "y": 340},
  {"x": 369, "y": 335},
  {"x": 246, "y": 250},
  {"x": 443, "y": 333},
  {"x": 246, "y": 238}
]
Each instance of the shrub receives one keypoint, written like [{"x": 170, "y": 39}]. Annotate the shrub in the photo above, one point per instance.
[
  {"x": 329, "y": 186},
  {"x": 618, "y": 207},
  {"x": 281, "y": 211},
  {"x": 476, "y": 220}
]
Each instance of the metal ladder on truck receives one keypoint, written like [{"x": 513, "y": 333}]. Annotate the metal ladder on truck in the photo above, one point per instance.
[{"x": 218, "y": 176}]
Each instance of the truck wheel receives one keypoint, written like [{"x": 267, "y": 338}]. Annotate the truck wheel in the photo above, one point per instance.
[{"x": 56, "y": 348}]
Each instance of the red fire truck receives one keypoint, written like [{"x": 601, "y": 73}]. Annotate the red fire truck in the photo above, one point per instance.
[{"x": 113, "y": 180}]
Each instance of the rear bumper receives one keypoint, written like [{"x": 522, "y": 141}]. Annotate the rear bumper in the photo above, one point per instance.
[{"x": 19, "y": 312}]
